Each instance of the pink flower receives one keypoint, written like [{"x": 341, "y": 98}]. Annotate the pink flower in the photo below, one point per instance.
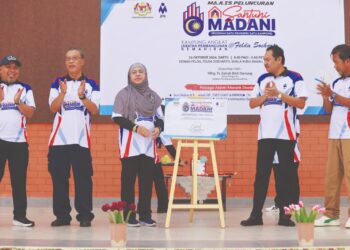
[
  {"x": 316, "y": 207},
  {"x": 300, "y": 213},
  {"x": 301, "y": 204},
  {"x": 322, "y": 210},
  {"x": 292, "y": 207},
  {"x": 287, "y": 210}
]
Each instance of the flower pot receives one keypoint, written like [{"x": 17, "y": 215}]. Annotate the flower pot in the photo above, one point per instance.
[
  {"x": 306, "y": 234},
  {"x": 118, "y": 235}
]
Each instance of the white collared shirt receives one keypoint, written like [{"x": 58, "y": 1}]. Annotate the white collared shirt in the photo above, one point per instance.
[
  {"x": 277, "y": 118},
  {"x": 71, "y": 124},
  {"x": 12, "y": 122}
]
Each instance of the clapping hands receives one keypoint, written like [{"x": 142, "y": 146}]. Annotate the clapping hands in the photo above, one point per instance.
[
  {"x": 17, "y": 96},
  {"x": 63, "y": 86},
  {"x": 324, "y": 89},
  {"x": 81, "y": 89}
]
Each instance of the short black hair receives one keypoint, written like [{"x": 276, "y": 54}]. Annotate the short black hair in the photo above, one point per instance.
[
  {"x": 343, "y": 50},
  {"x": 81, "y": 52},
  {"x": 277, "y": 51}
]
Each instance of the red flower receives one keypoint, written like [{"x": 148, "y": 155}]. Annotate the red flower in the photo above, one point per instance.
[
  {"x": 120, "y": 206},
  {"x": 114, "y": 206},
  {"x": 106, "y": 207},
  {"x": 132, "y": 207}
]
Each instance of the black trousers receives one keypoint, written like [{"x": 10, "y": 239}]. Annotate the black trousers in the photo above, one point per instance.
[
  {"x": 266, "y": 151},
  {"x": 161, "y": 189},
  {"x": 61, "y": 159},
  {"x": 16, "y": 153},
  {"x": 140, "y": 166},
  {"x": 294, "y": 187}
]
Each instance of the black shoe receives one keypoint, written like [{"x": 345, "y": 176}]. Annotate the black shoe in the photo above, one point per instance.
[
  {"x": 148, "y": 222},
  {"x": 252, "y": 221},
  {"x": 58, "y": 223},
  {"x": 85, "y": 223},
  {"x": 23, "y": 222},
  {"x": 285, "y": 220},
  {"x": 133, "y": 223}
]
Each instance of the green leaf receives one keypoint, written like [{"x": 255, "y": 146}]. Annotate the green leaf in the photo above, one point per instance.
[
  {"x": 303, "y": 215},
  {"x": 119, "y": 217},
  {"x": 128, "y": 216},
  {"x": 297, "y": 217},
  {"x": 313, "y": 215}
]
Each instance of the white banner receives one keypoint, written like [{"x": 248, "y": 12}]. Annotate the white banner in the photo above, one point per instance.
[{"x": 214, "y": 49}]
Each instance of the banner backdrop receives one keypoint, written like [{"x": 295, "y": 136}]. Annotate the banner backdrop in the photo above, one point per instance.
[{"x": 214, "y": 49}]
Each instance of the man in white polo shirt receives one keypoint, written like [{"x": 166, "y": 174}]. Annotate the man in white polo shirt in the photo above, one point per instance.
[
  {"x": 73, "y": 98},
  {"x": 278, "y": 93},
  {"x": 336, "y": 100},
  {"x": 16, "y": 104}
]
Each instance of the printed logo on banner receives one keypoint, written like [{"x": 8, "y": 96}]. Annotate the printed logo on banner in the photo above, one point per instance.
[
  {"x": 193, "y": 20},
  {"x": 240, "y": 20},
  {"x": 185, "y": 107},
  {"x": 201, "y": 108},
  {"x": 143, "y": 9},
  {"x": 162, "y": 10}
]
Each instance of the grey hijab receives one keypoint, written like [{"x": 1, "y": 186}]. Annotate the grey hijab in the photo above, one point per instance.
[{"x": 136, "y": 98}]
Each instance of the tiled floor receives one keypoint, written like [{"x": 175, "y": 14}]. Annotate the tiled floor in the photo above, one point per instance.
[{"x": 204, "y": 232}]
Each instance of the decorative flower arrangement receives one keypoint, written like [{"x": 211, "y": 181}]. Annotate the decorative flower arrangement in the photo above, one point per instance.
[
  {"x": 301, "y": 215},
  {"x": 115, "y": 212}
]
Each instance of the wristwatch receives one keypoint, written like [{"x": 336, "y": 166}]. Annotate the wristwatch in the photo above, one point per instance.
[
  {"x": 82, "y": 97},
  {"x": 333, "y": 95},
  {"x": 279, "y": 95},
  {"x": 134, "y": 129}
]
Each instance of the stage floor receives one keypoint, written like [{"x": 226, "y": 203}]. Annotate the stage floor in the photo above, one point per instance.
[{"x": 204, "y": 232}]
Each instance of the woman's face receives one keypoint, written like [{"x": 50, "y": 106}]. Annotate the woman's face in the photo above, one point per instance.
[{"x": 137, "y": 75}]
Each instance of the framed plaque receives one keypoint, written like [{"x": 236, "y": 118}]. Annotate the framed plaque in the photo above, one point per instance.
[{"x": 195, "y": 118}]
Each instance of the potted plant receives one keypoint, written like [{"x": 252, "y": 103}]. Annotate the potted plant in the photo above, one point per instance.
[
  {"x": 305, "y": 221},
  {"x": 118, "y": 223}
]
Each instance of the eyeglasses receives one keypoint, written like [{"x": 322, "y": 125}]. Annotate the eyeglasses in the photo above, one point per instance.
[{"x": 73, "y": 58}]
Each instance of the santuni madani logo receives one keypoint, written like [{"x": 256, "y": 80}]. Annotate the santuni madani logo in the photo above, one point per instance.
[
  {"x": 227, "y": 21},
  {"x": 240, "y": 20},
  {"x": 193, "y": 20}
]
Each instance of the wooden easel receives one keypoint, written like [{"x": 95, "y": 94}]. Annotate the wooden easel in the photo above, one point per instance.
[{"x": 197, "y": 143}]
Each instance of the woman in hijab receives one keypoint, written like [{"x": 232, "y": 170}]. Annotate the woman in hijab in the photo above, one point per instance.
[{"x": 137, "y": 111}]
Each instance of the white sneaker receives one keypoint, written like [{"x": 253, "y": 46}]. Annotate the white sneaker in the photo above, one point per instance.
[
  {"x": 273, "y": 208},
  {"x": 325, "y": 221},
  {"x": 23, "y": 222},
  {"x": 347, "y": 224}
]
